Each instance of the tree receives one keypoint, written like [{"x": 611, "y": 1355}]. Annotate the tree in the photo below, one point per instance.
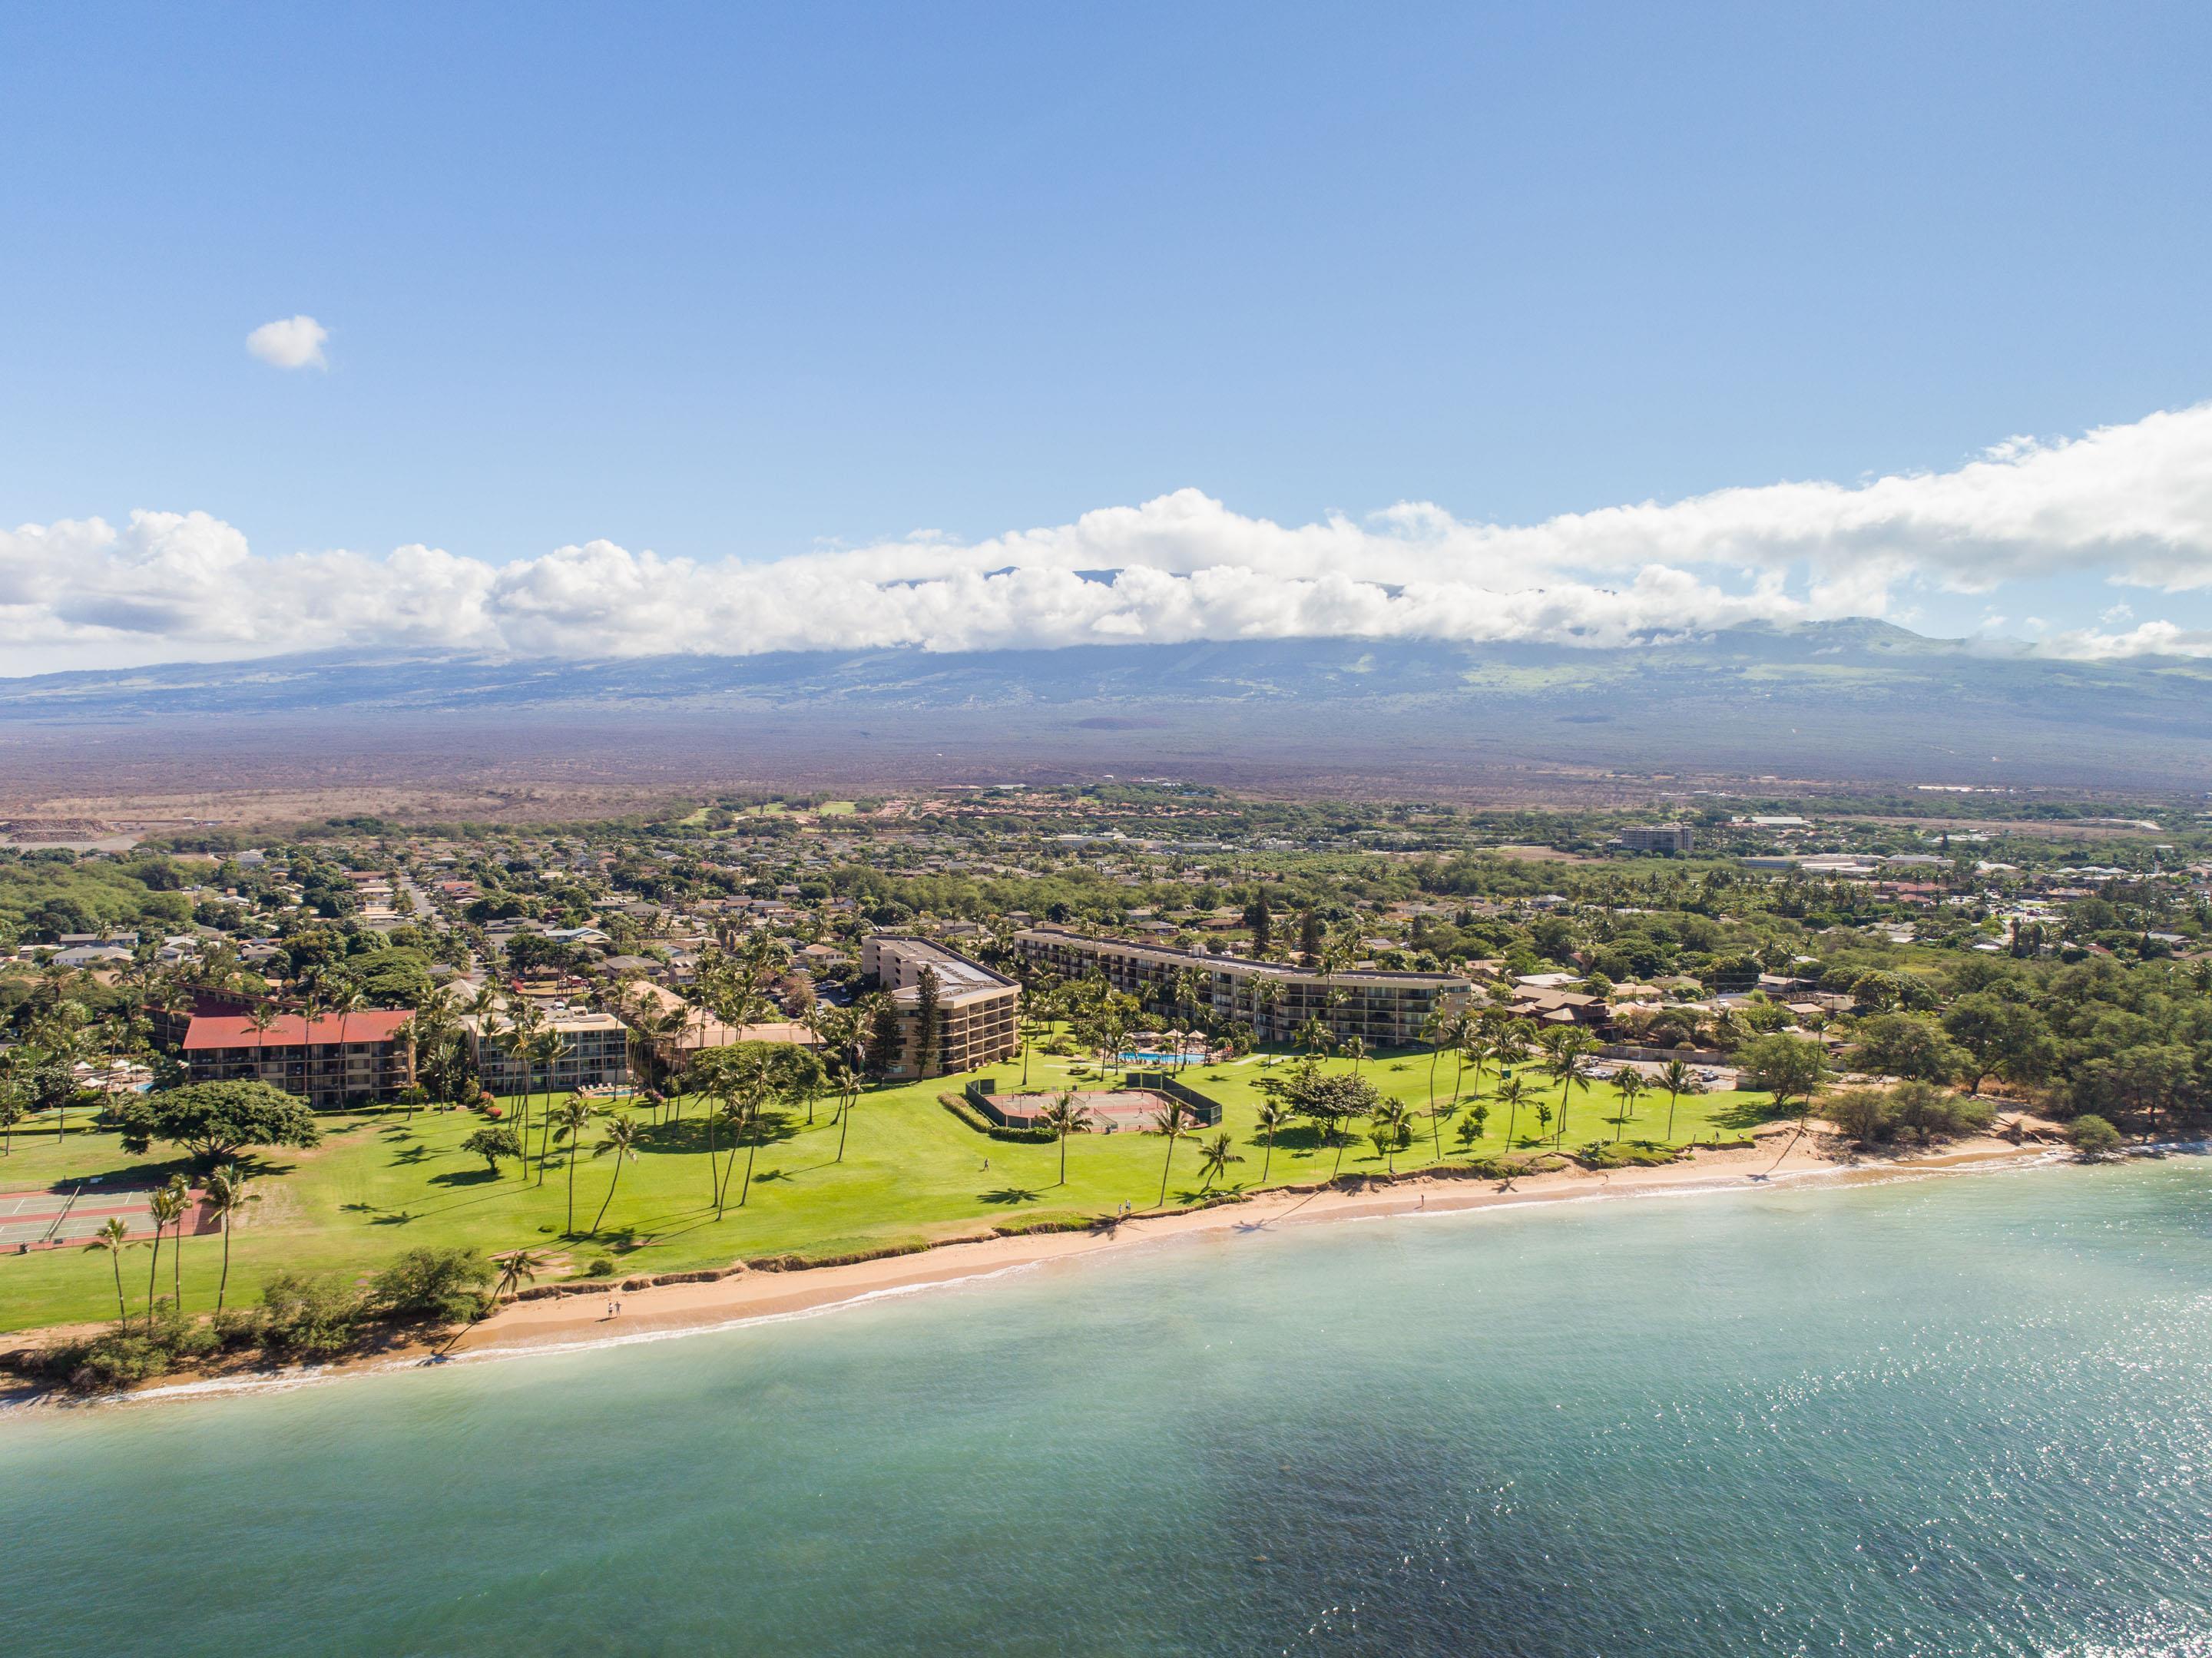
[
  {"x": 1388, "y": 1129},
  {"x": 620, "y": 1143},
  {"x": 229, "y": 1191},
  {"x": 1330, "y": 1100},
  {"x": 1630, "y": 1084},
  {"x": 1905, "y": 1045},
  {"x": 1168, "y": 1119},
  {"x": 2000, "y": 1035},
  {"x": 517, "y": 1267},
  {"x": 492, "y": 1142},
  {"x": 1864, "y": 1114},
  {"x": 1678, "y": 1079},
  {"x": 1215, "y": 1155},
  {"x": 884, "y": 1037},
  {"x": 1066, "y": 1115},
  {"x": 167, "y": 1207},
  {"x": 1930, "y": 1111},
  {"x": 928, "y": 1021},
  {"x": 115, "y": 1236},
  {"x": 1788, "y": 1067},
  {"x": 569, "y": 1122},
  {"x": 215, "y": 1121},
  {"x": 445, "y": 1285},
  {"x": 1270, "y": 1120},
  {"x": 2094, "y": 1138},
  {"x": 1512, "y": 1091}
]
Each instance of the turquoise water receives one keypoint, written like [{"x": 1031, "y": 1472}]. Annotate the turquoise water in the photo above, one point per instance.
[{"x": 1958, "y": 1416}]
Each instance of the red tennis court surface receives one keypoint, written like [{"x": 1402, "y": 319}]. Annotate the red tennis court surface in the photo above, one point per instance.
[
  {"x": 50, "y": 1220},
  {"x": 1122, "y": 1111}
]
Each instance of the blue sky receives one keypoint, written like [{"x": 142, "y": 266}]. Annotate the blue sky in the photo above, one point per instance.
[{"x": 739, "y": 283}]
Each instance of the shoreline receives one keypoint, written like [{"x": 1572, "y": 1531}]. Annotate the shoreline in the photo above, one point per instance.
[
  {"x": 568, "y": 1323},
  {"x": 576, "y": 1323}
]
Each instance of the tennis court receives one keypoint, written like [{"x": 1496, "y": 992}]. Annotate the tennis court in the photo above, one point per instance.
[
  {"x": 52, "y": 1220},
  {"x": 1119, "y": 1111}
]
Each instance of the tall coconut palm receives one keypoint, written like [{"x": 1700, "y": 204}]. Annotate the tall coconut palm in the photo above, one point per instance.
[
  {"x": 345, "y": 1001},
  {"x": 1629, "y": 1081},
  {"x": 1272, "y": 1118},
  {"x": 1066, "y": 1115},
  {"x": 183, "y": 1195},
  {"x": 1215, "y": 1157},
  {"x": 1168, "y": 1119},
  {"x": 167, "y": 1207},
  {"x": 264, "y": 1019},
  {"x": 227, "y": 1192},
  {"x": 517, "y": 1267},
  {"x": 1512, "y": 1091},
  {"x": 1440, "y": 1030},
  {"x": 547, "y": 1046},
  {"x": 620, "y": 1143},
  {"x": 1678, "y": 1079},
  {"x": 115, "y": 1236},
  {"x": 570, "y": 1118},
  {"x": 1387, "y": 1128}
]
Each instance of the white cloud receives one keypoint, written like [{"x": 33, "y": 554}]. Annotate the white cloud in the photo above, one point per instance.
[
  {"x": 290, "y": 342},
  {"x": 2131, "y": 503}
]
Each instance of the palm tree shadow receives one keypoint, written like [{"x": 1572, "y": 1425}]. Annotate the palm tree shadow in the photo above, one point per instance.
[{"x": 1010, "y": 1194}]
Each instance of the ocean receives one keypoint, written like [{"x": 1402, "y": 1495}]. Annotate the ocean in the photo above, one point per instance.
[{"x": 1958, "y": 1414}]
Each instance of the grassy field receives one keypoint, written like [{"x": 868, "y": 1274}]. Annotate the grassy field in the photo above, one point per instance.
[{"x": 911, "y": 1171}]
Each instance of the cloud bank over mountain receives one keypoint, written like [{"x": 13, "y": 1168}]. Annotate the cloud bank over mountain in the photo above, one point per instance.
[{"x": 2131, "y": 504}]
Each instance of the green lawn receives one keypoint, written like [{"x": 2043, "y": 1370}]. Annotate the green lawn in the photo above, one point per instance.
[{"x": 911, "y": 1172}]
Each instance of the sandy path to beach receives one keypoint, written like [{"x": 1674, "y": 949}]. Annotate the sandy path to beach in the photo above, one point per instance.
[{"x": 568, "y": 1320}]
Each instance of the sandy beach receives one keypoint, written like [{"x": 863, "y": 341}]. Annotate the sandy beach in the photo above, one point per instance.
[{"x": 571, "y": 1319}]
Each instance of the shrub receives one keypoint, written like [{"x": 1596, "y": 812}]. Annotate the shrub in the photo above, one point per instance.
[
  {"x": 309, "y": 1316},
  {"x": 447, "y": 1285},
  {"x": 601, "y": 1266},
  {"x": 2094, "y": 1137}
]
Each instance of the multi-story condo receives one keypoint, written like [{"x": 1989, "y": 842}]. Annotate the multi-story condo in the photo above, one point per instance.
[
  {"x": 1662, "y": 837},
  {"x": 336, "y": 1061},
  {"x": 1383, "y": 1010},
  {"x": 977, "y": 1007},
  {"x": 594, "y": 1054}
]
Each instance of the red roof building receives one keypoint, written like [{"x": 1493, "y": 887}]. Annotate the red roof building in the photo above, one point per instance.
[{"x": 373, "y": 1062}]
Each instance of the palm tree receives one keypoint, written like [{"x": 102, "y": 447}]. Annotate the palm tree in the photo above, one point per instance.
[
  {"x": 226, "y": 1194},
  {"x": 1439, "y": 1116},
  {"x": 1629, "y": 1081},
  {"x": 1564, "y": 1050},
  {"x": 546, "y": 1047},
  {"x": 167, "y": 1208},
  {"x": 517, "y": 1267},
  {"x": 619, "y": 1142},
  {"x": 115, "y": 1236},
  {"x": 1512, "y": 1090},
  {"x": 1215, "y": 1155},
  {"x": 1441, "y": 1030},
  {"x": 1678, "y": 1079},
  {"x": 1387, "y": 1127},
  {"x": 1066, "y": 1115},
  {"x": 1270, "y": 1120},
  {"x": 1168, "y": 1119},
  {"x": 569, "y": 1123},
  {"x": 264, "y": 1020},
  {"x": 345, "y": 1002}
]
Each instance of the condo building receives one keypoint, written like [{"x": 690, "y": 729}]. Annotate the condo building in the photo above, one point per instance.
[
  {"x": 356, "y": 1059},
  {"x": 1383, "y": 1010},
  {"x": 594, "y": 1054},
  {"x": 977, "y": 1008}
]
